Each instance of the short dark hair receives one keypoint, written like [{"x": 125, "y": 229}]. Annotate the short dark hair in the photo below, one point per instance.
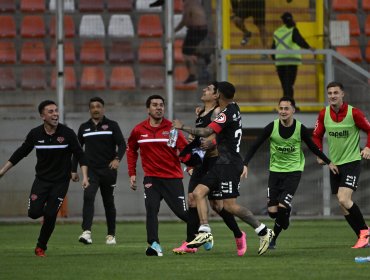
[
  {"x": 227, "y": 89},
  {"x": 287, "y": 19},
  {"x": 155, "y": 96},
  {"x": 96, "y": 99},
  {"x": 289, "y": 99},
  {"x": 215, "y": 84},
  {"x": 45, "y": 103},
  {"x": 335, "y": 84}
]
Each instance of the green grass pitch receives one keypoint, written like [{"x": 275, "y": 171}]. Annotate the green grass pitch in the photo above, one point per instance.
[{"x": 309, "y": 249}]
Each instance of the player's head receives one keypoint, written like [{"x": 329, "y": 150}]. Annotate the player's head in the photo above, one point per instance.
[
  {"x": 286, "y": 108},
  {"x": 335, "y": 91},
  {"x": 155, "y": 107},
  {"x": 210, "y": 93},
  {"x": 49, "y": 112},
  {"x": 96, "y": 108},
  {"x": 287, "y": 19},
  {"x": 226, "y": 90}
]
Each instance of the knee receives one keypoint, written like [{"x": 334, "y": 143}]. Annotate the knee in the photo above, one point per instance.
[
  {"x": 273, "y": 215},
  {"x": 89, "y": 197},
  {"x": 217, "y": 207},
  {"x": 283, "y": 216},
  {"x": 191, "y": 201},
  {"x": 344, "y": 202},
  {"x": 199, "y": 193},
  {"x": 35, "y": 214}
]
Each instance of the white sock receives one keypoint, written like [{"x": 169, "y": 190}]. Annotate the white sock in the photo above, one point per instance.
[
  {"x": 204, "y": 228},
  {"x": 261, "y": 227}
]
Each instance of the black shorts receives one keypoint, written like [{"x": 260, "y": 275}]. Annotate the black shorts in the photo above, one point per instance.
[
  {"x": 348, "y": 176},
  {"x": 224, "y": 178},
  {"x": 251, "y": 8},
  {"x": 282, "y": 187},
  {"x": 192, "y": 40}
]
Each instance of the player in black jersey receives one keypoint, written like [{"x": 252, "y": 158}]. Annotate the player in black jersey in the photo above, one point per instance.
[
  {"x": 205, "y": 151},
  {"x": 54, "y": 143},
  {"x": 225, "y": 174},
  {"x": 104, "y": 148}
]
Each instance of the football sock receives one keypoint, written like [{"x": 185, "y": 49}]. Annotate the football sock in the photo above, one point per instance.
[
  {"x": 231, "y": 223},
  {"x": 204, "y": 228},
  {"x": 358, "y": 219},
  {"x": 261, "y": 230},
  {"x": 193, "y": 224}
]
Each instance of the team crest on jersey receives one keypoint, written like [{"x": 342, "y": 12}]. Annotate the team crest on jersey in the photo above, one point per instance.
[
  {"x": 60, "y": 139},
  {"x": 165, "y": 132},
  {"x": 221, "y": 118},
  {"x": 33, "y": 197},
  {"x": 104, "y": 126},
  {"x": 148, "y": 185}
]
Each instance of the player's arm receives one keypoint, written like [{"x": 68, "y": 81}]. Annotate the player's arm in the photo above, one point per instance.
[
  {"x": 362, "y": 123},
  {"x": 5, "y": 168},
  {"x": 318, "y": 132},
  {"x": 197, "y": 131},
  {"x": 80, "y": 157},
  {"x": 120, "y": 144},
  {"x": 132, "y": 156}
]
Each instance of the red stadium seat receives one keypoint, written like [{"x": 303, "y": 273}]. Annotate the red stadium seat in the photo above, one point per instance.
[
  {"x": 117, "y": 6},
  {"x": 122, "y": 78},
  {"x": 354, "y": 28},
  {"x": 367, "y": 26},
  {"x": 179, "y": 58},
  {"x": 33, "y": 52},
  {"x": 352, "y": 52},
  {"x": 366, "y": 5},
  {"x": 33, "y": 78},
  {"x": 345, "y": 5},
  {"x": 70, "y": 81},
  {"x": 69, "y": 53},
  {"x": 367, "y": 52},
  {"x": 33, "y": 27},
  {"x": 92, "y": 52},
  {"x": 7, "y": 6},
  {"x": 69, "y": 26},
  {"x": 7, "y": 79},
  {"x": 150, "y": 26},
  {"x": 178, "y": 6},
  {"x": 181, "y": 73},
  {"x": 121, "y": 52},
  {"x": 93, "y": 78},
  {"x": 7, "y": 27},
  {"x": 8, "y": 53},
  {"x": 94, "y": 6},
  {"x": 151, "y": 52},
  {"x": 32, "y": 6},
  {"x": 152, "y": 77}
]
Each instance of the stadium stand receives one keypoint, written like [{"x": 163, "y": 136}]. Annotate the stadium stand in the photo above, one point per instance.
[
  {"x": 151, "y": 52},
  {"x": 181, "y": 73},
  {"x": 33, "y": 27},
  {"x": 143, "y": 6},
  {"x": 345, "y": 6},
  {"x": 7, "y": 27},
  {"x": 92, "y": 52},
  {"x": 352, "y": 52},
  {"x": 118, "y": 6},
  {"x": 69, "y": 5},
  {"x": 122, "y": 78},
  {"x": 367, "y": 26},
  {"x": 33, "y": 78},
  {"x": 93, "y": 6},
  {"x": 69, "y": 53},
  {"x": 33, "y": 52},
  {"x": 150, "y": 26},
  {"x": 151, "y": 77},
  {"x": 179, "y": 58},
  {"x": 367, "y": 52},
  {"x": 69, "y": 26},
  {"x": 92, "y": 26},
  {"x": 354, "y": 27},
  {"x": 182, "y": 32},
  {"x": 7, "y": 6},
  {"x": 7, "y": 79},
  {"x": 70, "y": 80},
  {"x": 121, "y": 52},
  {"x": 178, "y": 6},
  {"x": 32, "y": 6},
  {"x": 8, "y": 54},
  {"x": 366, "y": 5},
  {"x": 120, "y": 26},
  {"x": 93, "y": 78}
]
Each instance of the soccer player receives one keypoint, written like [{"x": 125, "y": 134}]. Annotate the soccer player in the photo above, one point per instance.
[
  {"x": 286, "y": 162},
  {"x": 104, "y": 149},
  {"x": 54, "y": 143},
  {"x": 342, "y": 123},
  {"x": 162, "y": 169},
  {"x": 225, "y": 174},
  {"x": 207, "y": 150}
]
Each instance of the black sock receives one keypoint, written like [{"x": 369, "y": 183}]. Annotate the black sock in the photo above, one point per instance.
[
  {"x": 351, "y": 222},
  {"x": 277, "y": 230},
  {"x": 358, "y": 219},
  {"x": 193, "y": 224},
  {"x": 231, "y": 223}
]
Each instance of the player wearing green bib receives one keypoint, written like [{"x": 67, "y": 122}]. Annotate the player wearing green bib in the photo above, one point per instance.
[
  {"x": 342, "y": 123},
  {"x": 286, "y": 162}
]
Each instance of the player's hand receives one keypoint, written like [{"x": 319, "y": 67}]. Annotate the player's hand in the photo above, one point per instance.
[
  {"x": 365, "y": 153},
  {"x": 75, "y": 177},
  {"x": 320, "y": 161},
  {"x": 245, "y": 172},
  {"x": 85, "y": 182},
  {"x": 197, "y": 110},
  {"x": 206, "y": 143},
  {"x": 133, "y": 185},
  {"x": 177, "y": 124},
  {"x": 114, "y": 164},
  {"x": 333, "y": 168}
]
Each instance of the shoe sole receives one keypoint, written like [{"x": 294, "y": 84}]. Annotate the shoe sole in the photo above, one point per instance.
[{"x": 84, "y": 241}]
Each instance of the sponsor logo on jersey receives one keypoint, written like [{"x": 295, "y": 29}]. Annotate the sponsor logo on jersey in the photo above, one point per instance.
[
  {"x": 41, "y": 141},
  {"x": 286, "y": 150},
  {"x": 104, "y": 126},
  {"x": 144, "y": 135},
  {"x": 33, "y": 197},
  {"x": 165, "y": 133},
  {"x": 60, "y": 139},
  {"x": 87, "y": 129},
  {"x": 221, "y": 118},
  {"x": 339, "y": 134},
  {"x": 148, "y": 185}
]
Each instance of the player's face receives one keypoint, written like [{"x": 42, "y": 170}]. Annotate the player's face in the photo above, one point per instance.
[
  {"x": 96, "y": 110},
  {"x": 50, "y": 115},
  {"x": 335, "y": 96},
  {"x": 286, "y": 110},
  {"x": 209, "y": 93},
  {"x": 156, "y": 109}
]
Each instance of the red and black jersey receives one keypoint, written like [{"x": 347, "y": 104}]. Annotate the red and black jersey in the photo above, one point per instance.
[
  {"x": 157, "y": 159},
  {"x": 358, "y": 116},
  {"x": 53, "y": 152}
]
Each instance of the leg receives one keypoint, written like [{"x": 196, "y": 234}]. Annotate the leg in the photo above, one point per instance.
[
  {"x": 200, "y": 195},
  {"x": 107, "y": 189},
  {"x": 283, "y": 77},
  {"x": 37, "y": 199},
  {"x": 89, "y": 199},
  {"x": 291, "y": 76},
  {"x": 193, "y": 218},
  {"x": 228, "y": 218}
]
